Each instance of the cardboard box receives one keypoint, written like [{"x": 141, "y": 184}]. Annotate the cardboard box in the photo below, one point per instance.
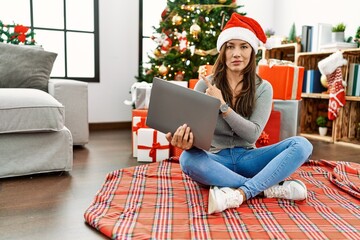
[
  {"x": 286, "y": 80},
  {"x": 152, "y": 145}
]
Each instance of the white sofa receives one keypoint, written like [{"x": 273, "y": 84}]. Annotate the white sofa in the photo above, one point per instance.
[
  {"x": 40, "y": 119},
  {"x": 38, "y": 129}
]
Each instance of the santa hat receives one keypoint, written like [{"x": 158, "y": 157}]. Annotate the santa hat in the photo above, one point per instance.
[{"x": 243, "y": 28}]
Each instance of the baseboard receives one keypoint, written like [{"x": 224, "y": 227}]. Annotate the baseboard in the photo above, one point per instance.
[{"x": 109, "y": 126}]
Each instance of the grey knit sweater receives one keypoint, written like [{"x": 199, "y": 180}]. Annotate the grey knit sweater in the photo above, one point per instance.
[{"x": 237, "y": 131}]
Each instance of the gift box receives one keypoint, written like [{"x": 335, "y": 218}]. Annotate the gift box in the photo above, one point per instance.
[
  {"x": 152, "y": 145},
  {"x": 271, "y": 132},
  {"x": 286, "y": 80},
  {"x": 205, "y": 70},
  {"x": 180, "y": 83},
  {"x": 138, "y": 122},
  {"x": 192, "y": 83},
  {"x": 290, "y": 117},
  {"x": 140, "y": 95},
  {"x": 175, "y": 151}
]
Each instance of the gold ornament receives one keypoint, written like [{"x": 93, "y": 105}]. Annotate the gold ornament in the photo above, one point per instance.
[
  {"x": 157, "y": 53},
  {"x": 323, "y": 81},
  {"x": 163, "y": 70},
  {"x": 195, "y": 30},
  {"x": 222, "y": 1},
  {"x": 177, "y": 20}
]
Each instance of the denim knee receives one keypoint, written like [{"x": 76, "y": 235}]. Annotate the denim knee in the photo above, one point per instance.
[
  {"x": 305, "y": 148},
  {"x": 191, "y": 160},
  {"x": 187, "y": 159}
]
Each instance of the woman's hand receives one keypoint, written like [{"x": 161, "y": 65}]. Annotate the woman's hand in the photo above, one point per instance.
[
  {"x": 212, "y": 90},
  {"x": 183, "y": 138}
]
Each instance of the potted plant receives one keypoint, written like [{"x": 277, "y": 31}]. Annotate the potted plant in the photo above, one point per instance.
[
  {"x": 338, "y": 32},
  {"x": 357, "y": 37},
  {"x": 321, "y": 121}
]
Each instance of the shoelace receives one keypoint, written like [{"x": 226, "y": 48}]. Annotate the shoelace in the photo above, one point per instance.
[
  {"x": 232, "y": 199},
  {"x": 277, "y": 192}
]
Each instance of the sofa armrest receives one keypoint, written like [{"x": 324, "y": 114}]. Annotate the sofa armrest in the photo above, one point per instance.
[{"x": 73, "y": 95}]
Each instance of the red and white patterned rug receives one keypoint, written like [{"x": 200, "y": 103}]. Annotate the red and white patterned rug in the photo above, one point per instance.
[{"x": 158, "y": 201}]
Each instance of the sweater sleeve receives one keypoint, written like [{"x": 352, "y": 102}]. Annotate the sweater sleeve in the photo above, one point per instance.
[{"x": 250, "y": 129}]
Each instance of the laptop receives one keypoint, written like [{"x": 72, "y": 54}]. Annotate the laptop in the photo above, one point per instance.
[{"x": 171, "y": 105}]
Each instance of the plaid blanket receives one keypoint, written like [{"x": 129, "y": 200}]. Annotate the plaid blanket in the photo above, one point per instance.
[{"x": 158, "y": 201}]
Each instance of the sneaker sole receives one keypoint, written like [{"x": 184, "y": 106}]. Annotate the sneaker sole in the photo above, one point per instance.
[
  {"x": 304, "y": 186},
  {"x": 212, "y": 206}
]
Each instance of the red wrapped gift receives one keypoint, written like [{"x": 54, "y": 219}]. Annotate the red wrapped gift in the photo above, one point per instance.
[
  {"x": 175, "y": 151},
  {"x": 271, "y": 133},
  {"x": 192, "y": 83},
  {"x": 286, "y": 80},
  {"x": 138, "y": 122},
  {"x": 152, "y": 145}
]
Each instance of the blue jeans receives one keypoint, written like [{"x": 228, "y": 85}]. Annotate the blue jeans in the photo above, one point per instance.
[{"x": 252, "y": 170}]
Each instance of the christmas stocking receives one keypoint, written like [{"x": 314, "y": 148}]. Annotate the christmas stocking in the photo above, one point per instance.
[{"x": 331, "y": 67}]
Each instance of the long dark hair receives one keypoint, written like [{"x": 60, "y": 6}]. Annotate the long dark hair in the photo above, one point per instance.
[{"x": 245, "y": 100}]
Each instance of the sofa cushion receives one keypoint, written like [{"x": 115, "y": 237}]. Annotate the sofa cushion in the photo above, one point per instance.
[
  {"x": 25, "y": 67},
  {"x": 29, "y": 110}
]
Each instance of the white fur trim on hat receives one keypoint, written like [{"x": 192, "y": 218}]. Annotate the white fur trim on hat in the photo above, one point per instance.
[
  {"x": 238, "y": 33},
  {"x": 331, "y": 63}
]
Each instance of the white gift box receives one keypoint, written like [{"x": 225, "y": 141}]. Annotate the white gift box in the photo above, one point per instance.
[
  {"x": 180, "y": 83},
  {"x": 290, "y": 117},
  {"x": 143, "y": 97},
  {"x": 137, "y": 124},
  {"x": 152, "y": 145},
  {"x": 140, "y": 95}
]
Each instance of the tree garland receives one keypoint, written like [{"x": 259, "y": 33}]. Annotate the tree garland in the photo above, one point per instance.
[{"x": 16, "y": 34}]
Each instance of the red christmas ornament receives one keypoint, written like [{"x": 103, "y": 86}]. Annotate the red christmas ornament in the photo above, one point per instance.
[
  {"x": 183, "y": 41},
  {"x": 166, "y": 44},
  {"x": 164, "y": 12},
  {"x": 179, "y": 76}
]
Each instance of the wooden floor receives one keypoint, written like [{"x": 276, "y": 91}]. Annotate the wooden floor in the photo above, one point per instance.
[{"x": 51, "y": 206}]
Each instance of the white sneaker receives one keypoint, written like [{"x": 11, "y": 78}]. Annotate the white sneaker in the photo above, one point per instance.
[
  {"x": 223, "y": 198},
  {"x": 292, "y": 190}
]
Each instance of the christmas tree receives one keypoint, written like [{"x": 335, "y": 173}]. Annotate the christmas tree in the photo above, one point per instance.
[{"x": 186, "y": 38}]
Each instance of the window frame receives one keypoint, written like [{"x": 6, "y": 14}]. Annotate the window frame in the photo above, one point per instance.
[{"x": 95, "y": 32}]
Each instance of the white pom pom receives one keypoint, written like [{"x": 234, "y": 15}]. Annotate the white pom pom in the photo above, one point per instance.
[{"x": 328, "y": 65}]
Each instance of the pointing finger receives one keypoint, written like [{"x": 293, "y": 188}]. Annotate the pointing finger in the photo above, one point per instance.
[{"x": 208, "y": 84}]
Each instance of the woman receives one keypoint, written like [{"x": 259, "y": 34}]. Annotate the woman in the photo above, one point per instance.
[{"x": 234, "y": 168}]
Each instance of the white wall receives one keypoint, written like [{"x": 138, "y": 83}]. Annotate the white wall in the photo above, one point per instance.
[
  {"x": 119, "y": 42},
  {"x": 281, "y": 14},
  {"x": 119, "y": 23}
]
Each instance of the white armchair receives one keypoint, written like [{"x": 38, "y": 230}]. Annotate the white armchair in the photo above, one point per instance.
[{"x": 74, "y": 96}]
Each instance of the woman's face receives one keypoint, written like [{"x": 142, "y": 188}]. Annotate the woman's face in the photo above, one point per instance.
[{"x": 238, "y": 53}]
